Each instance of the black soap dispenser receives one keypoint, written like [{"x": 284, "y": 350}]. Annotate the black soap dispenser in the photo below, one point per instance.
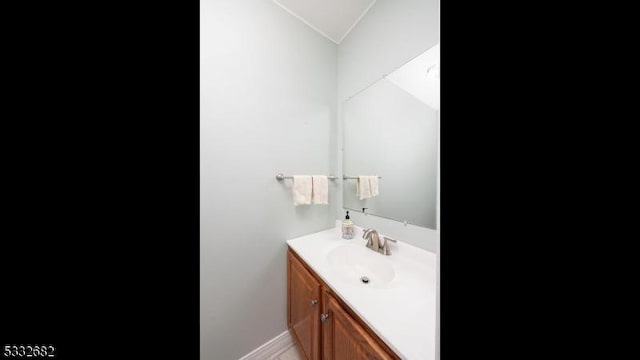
[{"x": 347, "y": 227}]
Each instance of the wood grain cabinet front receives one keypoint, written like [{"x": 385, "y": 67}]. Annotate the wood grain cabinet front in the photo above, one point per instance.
[
  {"x": 326, "y": 329},
  {"x": 303, "y": 310},
  {"x": 343, "y": 338}
]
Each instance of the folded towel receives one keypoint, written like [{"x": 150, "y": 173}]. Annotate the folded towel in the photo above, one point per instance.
[
  {"x": 320, "y": 193},
  {"x": 363, "y": 189},
  {"x": 301, "y": 189},
  {"x": 373, "y": 185}
]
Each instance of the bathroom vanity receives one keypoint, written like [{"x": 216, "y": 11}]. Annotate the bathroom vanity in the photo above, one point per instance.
[{"x": 346, "y": 301}]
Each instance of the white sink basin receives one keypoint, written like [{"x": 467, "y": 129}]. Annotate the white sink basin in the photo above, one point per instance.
[
  {"x": 404, "y": 282},
  {"x": 352, "y": 262}
]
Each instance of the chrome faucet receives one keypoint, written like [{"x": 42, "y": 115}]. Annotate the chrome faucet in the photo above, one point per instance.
[
  {"x": 374, "y": 243},
  {"x": 373, "y": 239},
  {"x": 385, "y": 247}
]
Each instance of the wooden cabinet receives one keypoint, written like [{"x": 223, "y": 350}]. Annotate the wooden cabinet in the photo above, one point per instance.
[
  {"x": 344, "y": 338},
  {"x": 303, "y": 310},
  {"x": 341, "y": 335}
]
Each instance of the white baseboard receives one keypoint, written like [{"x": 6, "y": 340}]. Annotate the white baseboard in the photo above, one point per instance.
[{"x": 272, "y": 348}]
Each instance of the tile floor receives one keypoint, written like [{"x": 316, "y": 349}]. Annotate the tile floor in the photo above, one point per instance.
[{"x": 290, "y": 354}]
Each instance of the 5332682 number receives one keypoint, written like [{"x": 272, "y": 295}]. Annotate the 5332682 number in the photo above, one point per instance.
[{"x": 28, "y": 351}]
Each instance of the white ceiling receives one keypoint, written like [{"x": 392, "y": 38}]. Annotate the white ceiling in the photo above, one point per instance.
[
  {"x": 331, "y": 18},
  {"x": 420, "y": 77}
]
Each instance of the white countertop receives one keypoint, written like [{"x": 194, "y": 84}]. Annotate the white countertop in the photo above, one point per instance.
[{"x": 403, "y": 313}]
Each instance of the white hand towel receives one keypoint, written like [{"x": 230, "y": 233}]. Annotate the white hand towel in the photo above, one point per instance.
[
  {"x": 373, "y": 185},
  {"x": 301, "y": 189},
  {"x": 320, "y": 189},
  {"x": 363, "y": 189}
]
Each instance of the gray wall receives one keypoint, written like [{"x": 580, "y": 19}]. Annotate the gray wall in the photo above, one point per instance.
[
  {"x": 268, "y": 104},
  {"x": 389, "y": 35}
]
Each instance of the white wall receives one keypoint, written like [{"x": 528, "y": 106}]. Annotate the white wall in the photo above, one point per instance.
[
  {"x": 267, "y": 105},
  {"x": 392, "y": 33}
]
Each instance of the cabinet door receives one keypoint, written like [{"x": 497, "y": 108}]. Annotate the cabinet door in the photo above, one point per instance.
[
  {"x": 303, "y": 313},
  {"x": 344, "y": 339}
]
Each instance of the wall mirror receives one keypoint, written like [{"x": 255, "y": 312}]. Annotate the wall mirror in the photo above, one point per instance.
[{"x": 390, "y": 129}]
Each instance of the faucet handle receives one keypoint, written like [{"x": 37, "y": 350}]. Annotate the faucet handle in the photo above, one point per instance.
[
  {"x": 373, "y": 239},
  {"x": 385, "y": 246}
]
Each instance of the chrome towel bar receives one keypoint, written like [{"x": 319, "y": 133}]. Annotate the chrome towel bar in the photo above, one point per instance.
[
  {"x": 345, "y": 177},
  {"x": 280, "y": 177}
]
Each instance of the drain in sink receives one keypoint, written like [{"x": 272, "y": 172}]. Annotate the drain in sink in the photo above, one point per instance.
[{"x": 364, "y": 280}]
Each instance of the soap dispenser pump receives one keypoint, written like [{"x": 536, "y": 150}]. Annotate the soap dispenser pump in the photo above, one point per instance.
[{"x": 347, "y": 227}]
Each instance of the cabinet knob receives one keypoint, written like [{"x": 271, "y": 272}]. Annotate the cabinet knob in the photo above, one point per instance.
[
  {"x": 324, "y": 317},
  {"x": 314, "y": 302}
]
